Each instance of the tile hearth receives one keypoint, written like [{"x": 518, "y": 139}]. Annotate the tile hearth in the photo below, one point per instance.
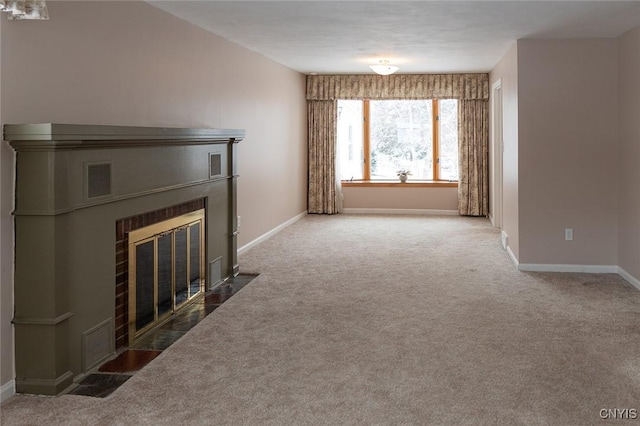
[{"x": 115, "y": 372}]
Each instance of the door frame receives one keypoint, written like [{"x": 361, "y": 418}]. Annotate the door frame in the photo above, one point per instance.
[{"x": 497, "y": 151}]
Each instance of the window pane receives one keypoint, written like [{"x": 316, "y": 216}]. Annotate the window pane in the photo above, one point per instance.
[
  {"x": 164, "y": 274},
  {"x": 180, "y": 271},
  {"x": 350, "y": 153},
  {"x": 448, "y": 139},
  {"x": 145, "y": 267},
  {"x": 194, "y": 259},
  {"x": 401, "y": 138}
]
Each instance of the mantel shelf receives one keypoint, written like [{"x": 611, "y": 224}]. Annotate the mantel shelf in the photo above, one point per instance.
[{"x": 54, "y": 135}]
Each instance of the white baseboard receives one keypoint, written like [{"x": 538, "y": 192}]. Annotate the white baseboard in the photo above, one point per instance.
[
  {"x": 401, "y": 211},
  {"x": 7, "y": 390},
  {"x": 493, "y": 223},
  {"x": 513, "y": 257},
  {"x": 590, "y": 269},
  {"x": 630, "y": 278},
  {"x": 272, "y": 232}
]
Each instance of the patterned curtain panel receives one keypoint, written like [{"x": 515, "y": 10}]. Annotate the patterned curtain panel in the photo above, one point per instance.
[
  {"x": 398, "y": 86},
  {"x": 473, "y": 150},
  {"x": 323, "y": 180}
]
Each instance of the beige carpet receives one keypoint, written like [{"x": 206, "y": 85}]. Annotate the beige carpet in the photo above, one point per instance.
[{"x": 385, "y": 320}]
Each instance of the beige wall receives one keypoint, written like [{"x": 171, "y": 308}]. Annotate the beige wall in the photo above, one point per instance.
[
  {"x": 629, "y": 153},
  {"x": 128, "y": 63},
  {"x": 507, "y": 71},
  {"x": 401, "y": 198},
  {"x": 6, "y": 251},
  {"x": 567, "y": 150}
]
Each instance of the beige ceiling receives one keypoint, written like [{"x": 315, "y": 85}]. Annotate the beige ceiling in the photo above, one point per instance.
[{"x": 419, "y": 36}]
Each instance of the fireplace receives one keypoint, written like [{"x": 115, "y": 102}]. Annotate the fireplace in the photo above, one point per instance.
[
  {"x": 82, "y": 290},
  {"x": 159, "y": 267}
]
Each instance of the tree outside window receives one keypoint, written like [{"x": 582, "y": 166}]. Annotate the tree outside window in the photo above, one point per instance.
[{"x": 416, "y": 135}]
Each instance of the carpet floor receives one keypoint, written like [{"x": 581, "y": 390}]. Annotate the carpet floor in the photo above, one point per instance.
[{"x": 379, "y": 320}]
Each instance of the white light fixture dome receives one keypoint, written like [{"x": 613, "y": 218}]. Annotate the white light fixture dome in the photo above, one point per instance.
[
  {"x": 24, "y": 9},
  {"x": 384, "y": 68}
]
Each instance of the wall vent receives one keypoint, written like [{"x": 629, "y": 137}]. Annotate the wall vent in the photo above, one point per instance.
[
  {"x": 215, "y": 273},
  {"x": 98, "y": 179},
  {"x": 97, "y": 344},
  {"x": 215, "y": 165}
]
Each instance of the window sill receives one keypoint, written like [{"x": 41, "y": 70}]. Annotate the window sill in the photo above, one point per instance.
[{"x": 397, "y": 184}]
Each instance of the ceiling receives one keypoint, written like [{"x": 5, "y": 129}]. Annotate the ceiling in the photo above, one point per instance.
[{"x": 333, "y": 37}]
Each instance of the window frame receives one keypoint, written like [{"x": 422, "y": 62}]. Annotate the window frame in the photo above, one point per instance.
[{"x": 366, "y": 147}]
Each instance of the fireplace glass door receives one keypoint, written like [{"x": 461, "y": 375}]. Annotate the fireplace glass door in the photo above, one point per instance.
[{"x": 166, "y": 270}]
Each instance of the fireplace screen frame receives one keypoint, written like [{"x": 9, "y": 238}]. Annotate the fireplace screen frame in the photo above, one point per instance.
[{"x": 153, "y": 233}]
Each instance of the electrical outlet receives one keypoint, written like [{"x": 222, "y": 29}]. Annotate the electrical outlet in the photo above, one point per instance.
[
  {"x": 238, "y": 221},
  {"x": 568, "y": 234}
]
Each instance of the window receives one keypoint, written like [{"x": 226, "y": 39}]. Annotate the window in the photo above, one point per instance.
[{"x": 378, "y": 138}]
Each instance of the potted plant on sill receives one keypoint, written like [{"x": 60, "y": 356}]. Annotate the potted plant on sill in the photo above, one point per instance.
[{"x": 402, "y": 174}]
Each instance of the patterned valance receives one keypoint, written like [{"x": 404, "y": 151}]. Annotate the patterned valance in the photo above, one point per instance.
[{"x": 398, "y": 86}]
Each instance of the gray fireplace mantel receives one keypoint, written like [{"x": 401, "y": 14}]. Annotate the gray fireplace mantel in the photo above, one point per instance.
[
  {"x": 73, "y": 183},
  {"x": 91, "y": 135}
]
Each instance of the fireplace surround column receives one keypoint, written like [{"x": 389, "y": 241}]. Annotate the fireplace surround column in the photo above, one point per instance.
[{"x": 73, "y": 183}]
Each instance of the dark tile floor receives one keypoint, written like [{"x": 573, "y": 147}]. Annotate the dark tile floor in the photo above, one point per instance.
[
  {"x": 100, "y": 385},
  {"x": 115, "y": 372}
]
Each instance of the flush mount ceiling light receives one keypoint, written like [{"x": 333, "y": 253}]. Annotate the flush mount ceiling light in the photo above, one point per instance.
[
  {"x": 384, "y": 68},
  {"x": 24, "y": 9}
]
